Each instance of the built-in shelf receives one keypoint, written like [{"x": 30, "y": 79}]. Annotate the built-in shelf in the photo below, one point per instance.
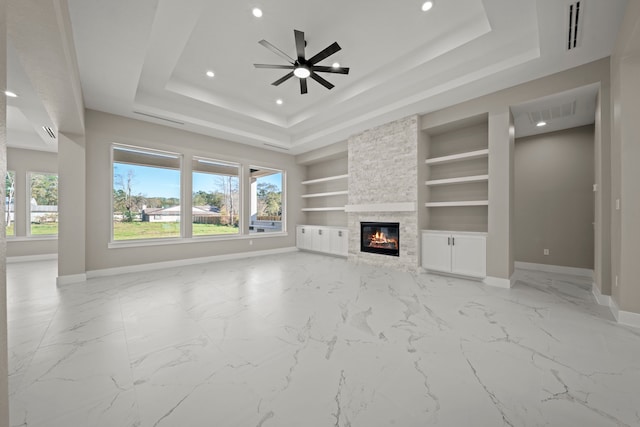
[
  {"x": 331, "y": 193},
  {"x": 457, "y": 157},
  {"x": 326, "y": 179},
  {"x": 457, "y": 203},
  {"x": 459, "y": 180},
  {"x": 335, "y": 208}
]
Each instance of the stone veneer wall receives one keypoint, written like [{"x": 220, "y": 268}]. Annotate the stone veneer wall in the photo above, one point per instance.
[{"x": 383, "y": 168}]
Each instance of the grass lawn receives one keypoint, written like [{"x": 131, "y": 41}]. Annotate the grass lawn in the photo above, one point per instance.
[
  {"x": 146, "y": 230},
  {"x": 50, "y": 228}
]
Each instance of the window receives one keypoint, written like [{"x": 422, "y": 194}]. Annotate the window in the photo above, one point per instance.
[
  {"x": 267, "y": 197},
  {"x": 216, "y": 197},
  {"x": 10, "y": 191},
  {"x": 146, "y": 194},
  {"x": 43, "y": 204}
]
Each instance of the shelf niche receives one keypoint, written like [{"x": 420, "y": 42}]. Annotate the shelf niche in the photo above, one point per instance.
[
  {"x": 325, "y": 191},
  {"x": 456, "y": 187}
]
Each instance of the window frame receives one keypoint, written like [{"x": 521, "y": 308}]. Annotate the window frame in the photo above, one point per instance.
[
  {"x": 241, "y": 210},
  {"x": 28, "y": 234},
  {"x": 8, "y": 208},
  {"x": 283, "y": 202},
  {"x": 144, "y": 241}
]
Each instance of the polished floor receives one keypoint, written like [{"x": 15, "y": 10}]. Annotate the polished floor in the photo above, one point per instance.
[{"x": 309, "y": 340}]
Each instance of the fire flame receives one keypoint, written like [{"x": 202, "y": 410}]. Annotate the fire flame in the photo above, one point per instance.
[{"x": 379, "y": 239}]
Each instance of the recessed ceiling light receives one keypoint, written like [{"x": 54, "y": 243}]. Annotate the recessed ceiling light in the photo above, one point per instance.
[
  {"x": 10, "y": 94},
  {"x": 279, "y": 101},
  {"x": 336, "y": 65},
  {"x": 257, "y": 12},
  {"x": 302, "y": 72},
  {"x": 541, "y": 123},
  {"x": 210, "y": 73},
  {"x": 426, "y": 6}
]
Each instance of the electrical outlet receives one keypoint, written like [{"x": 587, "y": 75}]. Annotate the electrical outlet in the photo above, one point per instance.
[{"x": 546, "y": 251}]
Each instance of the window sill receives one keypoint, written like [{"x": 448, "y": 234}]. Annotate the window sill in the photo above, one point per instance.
[
  {"x": 31, "y": 238},
  {"x": 195, "y": 239}
]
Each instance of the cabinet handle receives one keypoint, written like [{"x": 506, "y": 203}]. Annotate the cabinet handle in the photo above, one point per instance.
[
  {"x": 303, "y": 231},
  {"x": 320, "y": 232},
  {"x": 453, "y": 241},
  {"x": 339, "y": 233},
  {"x": 448, "y": 241}
]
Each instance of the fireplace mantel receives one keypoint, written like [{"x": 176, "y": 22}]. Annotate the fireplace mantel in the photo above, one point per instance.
[{"x": 382, "y": 207}]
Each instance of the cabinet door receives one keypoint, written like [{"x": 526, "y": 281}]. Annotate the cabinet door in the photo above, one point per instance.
[
  {"x": 299, "y": 237},
  {"x": 304, "y": 238},
  {"x": 322, "y": 239},
  {"x": 436, "y": 252},
  {"x": 469, "y": 255},
  {"x": 339, "y": 242}
]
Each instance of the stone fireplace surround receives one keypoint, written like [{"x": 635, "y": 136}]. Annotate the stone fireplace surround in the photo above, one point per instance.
[{"x": 383, "y": 178}]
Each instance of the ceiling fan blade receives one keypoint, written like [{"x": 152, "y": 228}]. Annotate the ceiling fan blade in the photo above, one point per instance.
[
  {"x": 303, "y": 86},
  {"x": 322, "y": 81},
  {"x": 299, "y": 35},
  {"x": 335, "y": 70},
  {"x": 327, "y": 52},
  {"x": 283, "y": 79},
  {"x": 277, "y": 51},
  {"x": 279, "y": 67}
]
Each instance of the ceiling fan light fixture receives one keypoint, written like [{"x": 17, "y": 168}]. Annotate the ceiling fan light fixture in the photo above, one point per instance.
[
  {"x": 336, "y": 65},
  {"x": 302, "y": 72},
  {"x": 427, "y": 6}
]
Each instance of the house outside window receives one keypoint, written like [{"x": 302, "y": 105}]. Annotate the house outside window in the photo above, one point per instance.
[
  {"x": 146, "y": 194},
  {"x": 43, "y": 204},
  {"x": 267, "y": 213},
  {"x": 216, "y": 197}
]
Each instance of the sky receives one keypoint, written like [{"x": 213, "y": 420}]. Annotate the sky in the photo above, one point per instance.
[{"x": 156, "y": 182}]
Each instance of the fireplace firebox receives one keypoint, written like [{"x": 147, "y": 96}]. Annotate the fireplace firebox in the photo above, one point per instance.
[{"x": 380, "y": 238}]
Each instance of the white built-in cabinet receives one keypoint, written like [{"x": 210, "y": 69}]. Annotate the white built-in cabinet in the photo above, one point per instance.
[
  {"x": 463, "y": 253},
  {"x": 324, "y": 239}
]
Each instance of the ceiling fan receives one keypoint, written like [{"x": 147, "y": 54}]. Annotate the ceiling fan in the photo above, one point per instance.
[{"x": 303, "y": 68}]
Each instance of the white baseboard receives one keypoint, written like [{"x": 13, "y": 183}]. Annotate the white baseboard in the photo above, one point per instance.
[
  {"x": 582, "y": 272},
  {"x": 626, "y": 318},
  {"x": 183, "y": 262},
  {"x": 498, "y": 282},
  {"x": 601, "y": 299},
  {"x": 30, "y": 258},
  {"x": 70, "y": 279}
]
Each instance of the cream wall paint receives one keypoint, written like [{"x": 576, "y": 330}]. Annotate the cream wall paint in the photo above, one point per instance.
[
  {"x": 4, "y": 351},
  {"x": 104, "y": 129},
  {"x": 625, "y": 152},
  {"x": 594, "y": 72},
  {"x": 22, "y": 162},
  {"x": 554, "y": 198},
  {"x": 71, "y": 205}
]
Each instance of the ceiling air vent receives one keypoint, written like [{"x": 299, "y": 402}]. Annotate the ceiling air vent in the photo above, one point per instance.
[
  {"x": 49, "y": 132},
  {"x": 276, "y": 146},
  {"x": 574, "y": 33},
  {"x": 553, "y": 113}
]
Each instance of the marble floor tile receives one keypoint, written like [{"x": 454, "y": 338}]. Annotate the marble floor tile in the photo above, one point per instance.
[{"x": 309, "y": 340}]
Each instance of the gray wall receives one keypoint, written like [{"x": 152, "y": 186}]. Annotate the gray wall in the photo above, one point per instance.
[
  {"x": 104, "y": 129},
  {"x": 554, "y": 198},
  {"x": 22, "y": 162},
  {"x": 625, "y": 173}
]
